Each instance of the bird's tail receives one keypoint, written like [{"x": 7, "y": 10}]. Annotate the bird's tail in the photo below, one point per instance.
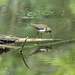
[{"x": 30, "y": 24}]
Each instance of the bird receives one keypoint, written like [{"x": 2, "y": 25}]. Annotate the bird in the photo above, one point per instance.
[
  {"x": 41, "y": 28},
  {"x": 41, "y": 50}
]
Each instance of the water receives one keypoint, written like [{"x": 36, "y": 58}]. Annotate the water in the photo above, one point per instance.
[
  {"x": 52, "y": 58},
  {"x": 59, "y": 59}
]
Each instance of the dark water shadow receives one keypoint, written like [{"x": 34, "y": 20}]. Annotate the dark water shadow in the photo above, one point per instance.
[{"x": 5, "y": 49}]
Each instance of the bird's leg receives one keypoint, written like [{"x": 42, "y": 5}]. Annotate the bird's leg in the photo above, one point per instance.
[
  {"x": 51, "y": 35},
  {"x": 37, "y": 37},
  {"x": 37, "y": 34},
  {"x": 41, "y": 36}
]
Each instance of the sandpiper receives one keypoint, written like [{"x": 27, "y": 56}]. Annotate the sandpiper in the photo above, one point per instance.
[
  {"x": 41, "y": 50},
  {"x": 41, "y": 28}
]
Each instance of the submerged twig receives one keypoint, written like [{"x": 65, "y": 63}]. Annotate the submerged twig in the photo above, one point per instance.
[
  {"x": 24, "y": 60},
  {"x": 22, "y": 54}
]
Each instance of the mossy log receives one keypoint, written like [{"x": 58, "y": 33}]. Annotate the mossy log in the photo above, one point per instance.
[{"x": 5, "y": 39}]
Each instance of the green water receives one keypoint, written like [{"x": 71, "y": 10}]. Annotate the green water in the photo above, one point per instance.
[
  {"x": 57, "y": 14},
  {"x": 59, "y": 60}
]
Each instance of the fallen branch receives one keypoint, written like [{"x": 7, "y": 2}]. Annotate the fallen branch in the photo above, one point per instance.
[{"x": 5, "y": 39}]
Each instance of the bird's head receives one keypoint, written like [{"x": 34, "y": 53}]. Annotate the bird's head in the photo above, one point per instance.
[{"x": 49, "y": 30}]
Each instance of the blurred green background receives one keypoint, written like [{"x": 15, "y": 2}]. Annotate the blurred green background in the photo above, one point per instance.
[{"x": 57, "y": 14}]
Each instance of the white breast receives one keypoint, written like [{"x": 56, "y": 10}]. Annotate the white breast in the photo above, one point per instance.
[{"x": 42, "y": 31}]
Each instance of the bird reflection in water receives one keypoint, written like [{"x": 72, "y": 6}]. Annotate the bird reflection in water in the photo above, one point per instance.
[{"x": 41, "y": 50}]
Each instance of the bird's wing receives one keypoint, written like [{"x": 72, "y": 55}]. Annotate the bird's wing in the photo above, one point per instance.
[{"x": 37, "y": 26}]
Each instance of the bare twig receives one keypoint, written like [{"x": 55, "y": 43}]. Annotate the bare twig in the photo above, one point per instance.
[
  {"x": 22, "y": 54},
  {"x": 23, "y": 44}
]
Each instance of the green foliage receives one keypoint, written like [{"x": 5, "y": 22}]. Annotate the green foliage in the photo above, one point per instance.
[
  {"x": 3, "y": 2},
  {"x": 72, "y": 6}
]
